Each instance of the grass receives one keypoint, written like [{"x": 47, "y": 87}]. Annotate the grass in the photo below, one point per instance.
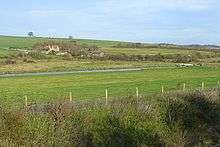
[
  {"x": 152, "y": 51},
  {"x": 26, "y": 42},
  {"x": 4, "y": 52},
  {"x": 46, "y": 65},
  {"x": 92, "y": 85}
]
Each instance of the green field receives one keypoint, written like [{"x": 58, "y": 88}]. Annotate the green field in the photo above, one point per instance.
[
  {"x": 26, "y": 42},
  {"x": 4, "y": 52},
  {"x": 93, "y": 85}
]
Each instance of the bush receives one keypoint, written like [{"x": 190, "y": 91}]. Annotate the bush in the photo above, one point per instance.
[
  {"x": 37, "y": 55},
  {"x": 28, "y": 60},
  {"x": 195, "y": 113},
  {"x": 188, "y": 118},
  {"x": 72, "y": 48},
  {"x": 10, "y": 61},
  {"x": 182, "y": 58},
  {"x": 11, "y": 124}
]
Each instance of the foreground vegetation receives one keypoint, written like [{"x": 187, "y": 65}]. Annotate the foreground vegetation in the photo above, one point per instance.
[{"x": 183, "y": 119}]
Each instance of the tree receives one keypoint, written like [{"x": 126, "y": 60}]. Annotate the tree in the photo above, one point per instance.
[
  {"x": 30, "y": 34},
  {"x": 70, "y": 37}
]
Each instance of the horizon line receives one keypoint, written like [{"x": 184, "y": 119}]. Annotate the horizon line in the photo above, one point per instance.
[{"x": 109, "y": 40}]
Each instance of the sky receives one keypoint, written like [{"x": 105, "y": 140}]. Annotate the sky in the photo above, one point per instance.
[{"x": 153, "y": 21}]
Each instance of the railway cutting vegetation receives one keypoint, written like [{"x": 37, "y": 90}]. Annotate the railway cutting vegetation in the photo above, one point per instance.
[{"x": 52, "y": 93}]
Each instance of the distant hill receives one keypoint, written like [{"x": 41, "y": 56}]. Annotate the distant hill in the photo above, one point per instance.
[
  {"x": 27, "y": 42},
  {"x": 203, "y": 46},
  {"x": 191, "y": 46}
]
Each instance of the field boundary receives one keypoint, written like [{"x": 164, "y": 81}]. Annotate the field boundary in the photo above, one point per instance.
[{"x": 105, "y": 99}]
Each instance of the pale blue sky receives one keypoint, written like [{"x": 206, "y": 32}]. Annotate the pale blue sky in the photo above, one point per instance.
[{"x": 171, "y": 21}]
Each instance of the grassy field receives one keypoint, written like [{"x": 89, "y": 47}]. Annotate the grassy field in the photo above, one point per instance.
[
  {"x": 64, "y": 65},
  {"x": 93, "y": 85},
  {"x": 22, "y": 42},
  {"x": 4, "y": 52},
  {"x": 152, "y": 51},
  {"x": 26, "y": 42}
]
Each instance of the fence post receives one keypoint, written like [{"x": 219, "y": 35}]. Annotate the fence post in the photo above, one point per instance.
[
  {"x": 106, "y": 96},
  {"x": 26, "y": 100},
  {"x": 162, "y": 89},
  {"x": 184, "y": 86},
  {"x": 71, "y": 96},
  {"x": 137, "y": 92},
  {"x": 218, "y": 84},
  {"x": 203, "y": 85}
]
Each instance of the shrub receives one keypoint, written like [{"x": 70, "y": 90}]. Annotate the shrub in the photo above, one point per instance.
[
  {"x": 10, "y": 61},
  {"x": 37, "y": 55},
  {"x": 10, "y": 127},
  {"x": 182, "y": 58},
  {"x": 194, "y": 113},
  {"x": 28, "y": 60},
  {"x": 189, "y": 118},
  {"x": 72, "y": 48}
]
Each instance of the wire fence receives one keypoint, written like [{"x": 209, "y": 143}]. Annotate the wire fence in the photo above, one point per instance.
[{"x": 136, "y": 93}]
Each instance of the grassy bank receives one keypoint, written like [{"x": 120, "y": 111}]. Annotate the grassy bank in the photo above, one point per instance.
[{"x": 174, "y": 119}]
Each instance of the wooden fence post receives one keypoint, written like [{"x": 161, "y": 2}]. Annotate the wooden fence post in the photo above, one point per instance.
[
  {"x": 162, "y": 89},
  {"x": 71, "y": 96},
  {"x": 137, "y": 92},
  {"x": 26, "y": 100},
  {"x": 203, "y": 85},
  {"x": 218, "y": 84},
  {"x": 106, "y": 96},
  {"x": 184, "y": 86}
]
